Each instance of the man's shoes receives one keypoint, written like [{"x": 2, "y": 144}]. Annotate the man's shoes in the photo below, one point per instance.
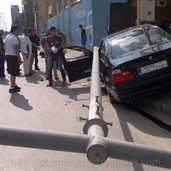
[
  {"x": 14, "y": 90},
  {"x": 50, "y": 84},
  {"x": 64, "y": 81},
  {"x": 38, "y": 69},
  {"x": 16, "y": 86},
  {"x": 30, "y": 74}
]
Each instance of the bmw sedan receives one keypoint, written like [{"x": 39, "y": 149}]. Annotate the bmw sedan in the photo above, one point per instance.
[{"x": 134, "y": 63}]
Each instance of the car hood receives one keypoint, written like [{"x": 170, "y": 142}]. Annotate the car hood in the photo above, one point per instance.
[{"x": 139, "y": 54}]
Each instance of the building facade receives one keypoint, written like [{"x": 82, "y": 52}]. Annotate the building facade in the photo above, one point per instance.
[
  {"x": 14, "y": 12},
  {"x": 98, "y": 17}
]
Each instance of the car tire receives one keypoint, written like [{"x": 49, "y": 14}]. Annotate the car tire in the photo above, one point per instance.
[{"x": 112, "y": 99}]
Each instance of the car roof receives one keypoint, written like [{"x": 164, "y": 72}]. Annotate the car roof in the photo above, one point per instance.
[{"x": 128, "y": 30}]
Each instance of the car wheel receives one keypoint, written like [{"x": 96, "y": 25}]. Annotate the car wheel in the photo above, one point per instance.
[{"x": 111, "y": 98}]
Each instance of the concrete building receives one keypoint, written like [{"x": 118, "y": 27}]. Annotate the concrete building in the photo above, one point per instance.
[
  {"x": 14, "y": 12},
  {"x": 97, "y": 17},
  {"x": 46, "y": 9}
]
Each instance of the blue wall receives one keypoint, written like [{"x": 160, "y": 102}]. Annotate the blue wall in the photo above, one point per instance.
[
  {"x": 92, "y": 14},
  {"x": 100, "y": 18},
  {"x": 80, "y": 14}
]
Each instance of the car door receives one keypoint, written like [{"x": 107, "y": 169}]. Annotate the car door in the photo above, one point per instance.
[{"x": 77, "y": 62}]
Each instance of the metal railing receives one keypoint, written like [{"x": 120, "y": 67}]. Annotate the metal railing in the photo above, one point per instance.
[{"x": 95, "y": 144}]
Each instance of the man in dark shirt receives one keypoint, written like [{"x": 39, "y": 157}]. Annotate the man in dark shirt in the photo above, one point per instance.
[
  {"x": 83, "y": 36},
  {"x": 36, "y": 40},
  {"x": 34, "y": 48},
  {"x": 54, "y": 45},
  {"x": 2, "y": 55}
]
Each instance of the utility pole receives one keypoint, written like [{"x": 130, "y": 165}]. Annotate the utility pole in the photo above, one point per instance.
[{"x": 138, "y": 12}]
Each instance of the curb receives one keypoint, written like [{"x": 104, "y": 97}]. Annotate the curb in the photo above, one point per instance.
[{"x": 161, "y": 103}]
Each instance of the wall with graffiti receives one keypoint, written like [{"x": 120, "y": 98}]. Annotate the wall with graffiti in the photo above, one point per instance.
[{"x": 91, "y": 14}]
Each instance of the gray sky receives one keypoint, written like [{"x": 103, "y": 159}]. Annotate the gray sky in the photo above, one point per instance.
[{"x": 5, "y": 8}]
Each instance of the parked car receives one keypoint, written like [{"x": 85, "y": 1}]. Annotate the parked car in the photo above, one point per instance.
[{"x": 134, "y": 63}]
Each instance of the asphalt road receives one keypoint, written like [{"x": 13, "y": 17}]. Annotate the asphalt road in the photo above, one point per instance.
[{"x": 57, "y": 109}]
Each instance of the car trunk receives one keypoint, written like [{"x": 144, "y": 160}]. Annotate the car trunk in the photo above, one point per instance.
[{"x": 146, "y": 67}]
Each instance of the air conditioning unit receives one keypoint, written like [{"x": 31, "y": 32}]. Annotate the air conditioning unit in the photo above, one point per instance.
[{"x": 147, "y": 10}]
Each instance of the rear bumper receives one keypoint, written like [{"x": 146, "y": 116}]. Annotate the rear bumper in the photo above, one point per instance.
[{"x": 141, "y": 89}]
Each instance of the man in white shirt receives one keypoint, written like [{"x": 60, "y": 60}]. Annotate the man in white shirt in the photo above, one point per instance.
[
  {"x": 26, "y": 51},
  {"x": 12, "y": 57}
]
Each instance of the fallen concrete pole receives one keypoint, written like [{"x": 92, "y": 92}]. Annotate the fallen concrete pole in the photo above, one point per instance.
[{"x": 78, "y": 143}]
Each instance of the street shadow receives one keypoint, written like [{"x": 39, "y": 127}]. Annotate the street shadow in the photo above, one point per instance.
[
  {"x": 20, "y": 101},
  {"x": 35, "y": 78},
  {"x": 138, "y": 121},
  {"x": 4, "y": 81},
  {"x": 65, "y": 89},
  {"x": 128, "y": 117}
]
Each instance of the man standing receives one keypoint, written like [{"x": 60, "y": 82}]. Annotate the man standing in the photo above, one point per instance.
[
  {"x": 26, "y": 51},
  {"x": 46, "y": 54},
  {"x": 83, "y": 36},
  {"x": 36, "y": 40},
  {"x": 34, "y": 47},
  {"x": 12, "y": 57},
  {"x": 2, "y": 55},
  {"x": 54, "y": 45}
]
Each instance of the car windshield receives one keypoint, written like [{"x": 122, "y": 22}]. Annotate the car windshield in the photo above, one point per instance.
[{"x": 136, "y": 41}]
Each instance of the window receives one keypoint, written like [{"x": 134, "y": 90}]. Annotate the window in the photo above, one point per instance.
[
  {"x": 158, "y": 37},
  {"x": 137, "y": 41},
  {"x": 102, "y": 54},
  {"x": 130, "y": 43}
]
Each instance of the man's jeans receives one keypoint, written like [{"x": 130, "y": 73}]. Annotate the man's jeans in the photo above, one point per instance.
[
  {"x": 2, "y": 63},
  {"x": 58, "y": 59},
  {"x": 36, "y": 60}
]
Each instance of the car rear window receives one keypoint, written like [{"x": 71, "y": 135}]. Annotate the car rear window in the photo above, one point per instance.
[{"x": 136, "y": 41}]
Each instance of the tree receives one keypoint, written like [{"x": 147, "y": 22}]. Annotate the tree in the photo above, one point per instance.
[
  {"x": 19, "y": 20},
  {"x": 26, "y": 18},
  {"x": 28, "y": 13}
]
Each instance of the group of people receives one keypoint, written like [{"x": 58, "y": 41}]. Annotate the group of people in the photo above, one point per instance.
[
  {"x": 29, "y": 46},
  {"x": 24, "y": 49}
]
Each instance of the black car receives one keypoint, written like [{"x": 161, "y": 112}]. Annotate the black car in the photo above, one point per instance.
[{"x": 134, "y": 63}]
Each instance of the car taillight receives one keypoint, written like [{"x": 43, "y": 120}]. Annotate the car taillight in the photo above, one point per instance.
[{"x": 118, "y": 76}]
